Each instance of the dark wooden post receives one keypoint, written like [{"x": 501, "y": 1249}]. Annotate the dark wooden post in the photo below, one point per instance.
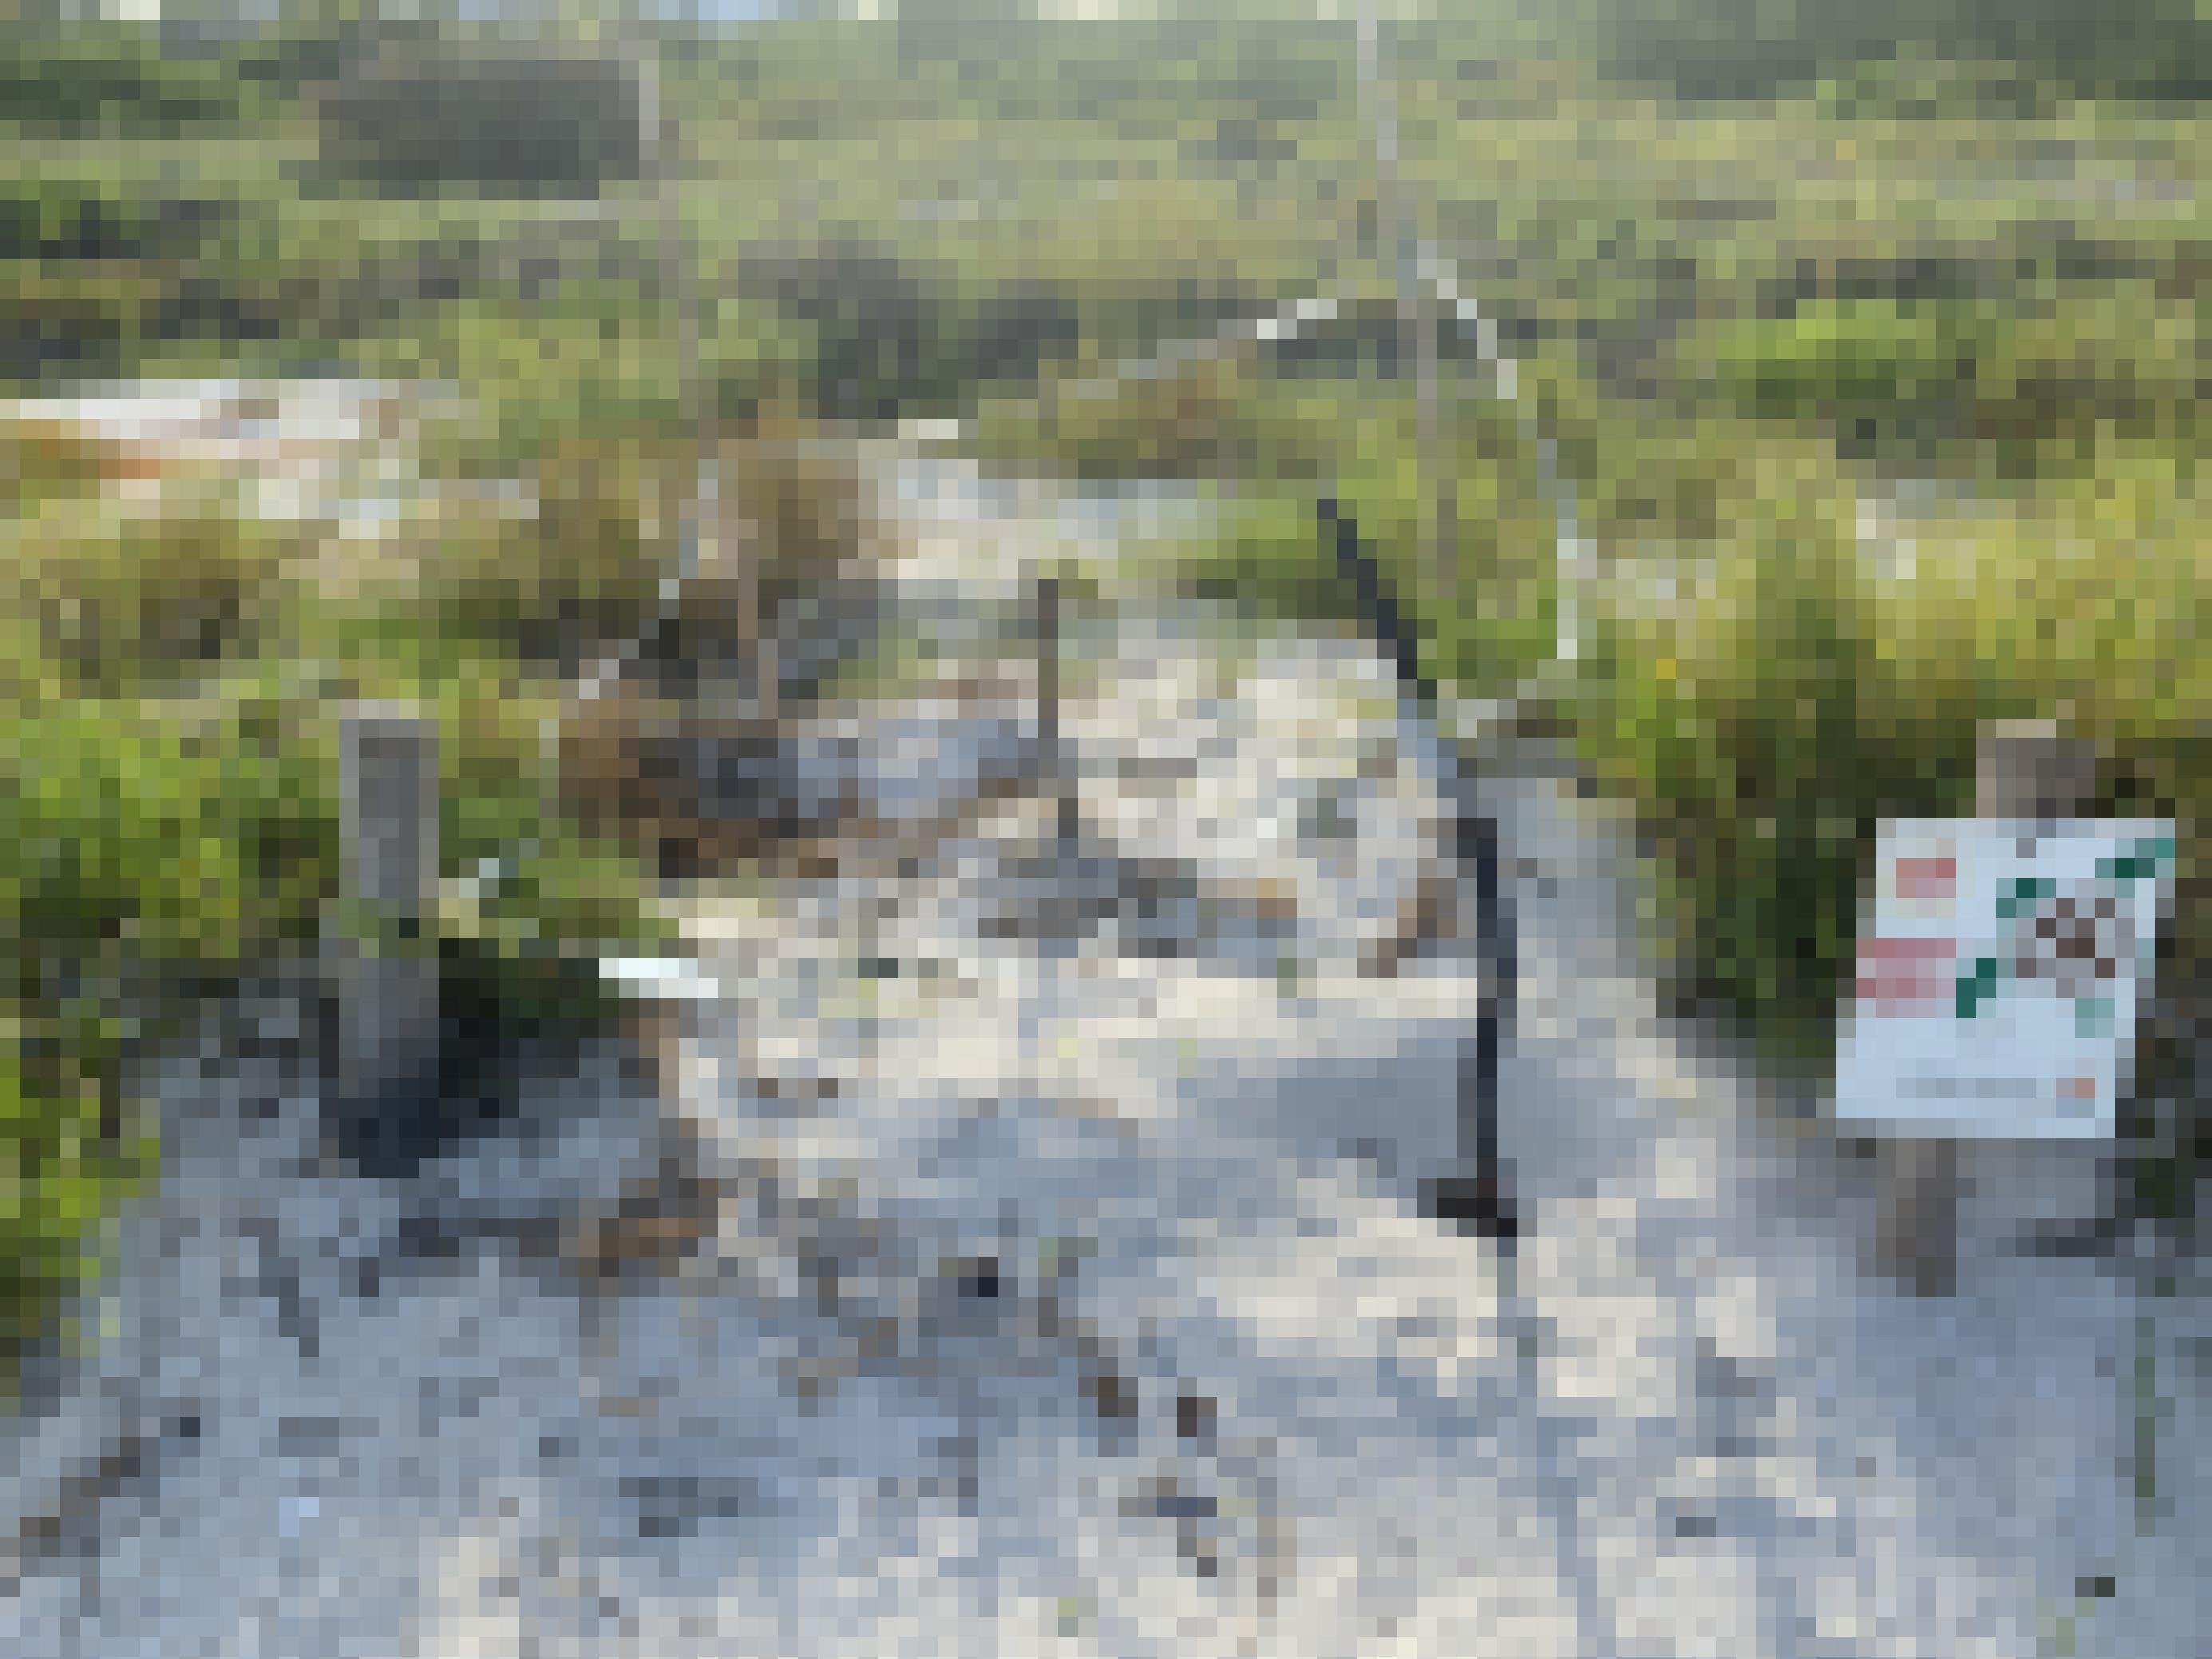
[
  {"x": 2026, "y": 769},
  {"x": 1052, "y": 756}
]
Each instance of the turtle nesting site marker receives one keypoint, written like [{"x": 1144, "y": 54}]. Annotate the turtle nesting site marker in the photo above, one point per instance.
[{"x": 1999, "y": 983}]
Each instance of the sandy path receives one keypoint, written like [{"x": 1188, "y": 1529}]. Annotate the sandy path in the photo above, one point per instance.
[{"x": 1067, "y": 1300}]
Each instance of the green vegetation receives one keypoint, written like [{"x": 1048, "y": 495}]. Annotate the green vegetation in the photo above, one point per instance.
[
  {"x": 412, "y": 119},
  {"x": 1765, "y": 270},
  {"x": 115, "y": 79},
  {"x": 167, "y": 799},
  {"x": 140, "y": 857}
]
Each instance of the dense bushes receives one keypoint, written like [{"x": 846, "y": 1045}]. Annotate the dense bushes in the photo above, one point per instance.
[
  {"x": 168, "y": 824},
  {"x": 579, "y": 578},
  {"x": 112, "y": 77},
  {"x": 501, "y": 120},
  {"x": 150, "y": 599},
  {"x": 140, "y": 851},
  {"x": 1763, "y": 736},
  {"x": 1803, "y": 681},
  {"x": 150, "y": 852},
  {"x": 2110, "y": 356},
  {"x": 74, "y": 220},
  {"x": 1753, "y": 48}
]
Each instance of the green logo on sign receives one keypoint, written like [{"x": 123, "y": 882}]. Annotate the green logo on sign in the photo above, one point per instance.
[
  {"x": 1978, "y": 987},
  {"x": 2143, "y": 860}
]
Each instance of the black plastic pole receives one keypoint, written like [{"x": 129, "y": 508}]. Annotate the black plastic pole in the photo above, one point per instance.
[
  {"x": 1489, "y": 1204},
  {"x": 1378, "y": 611},
  {"x": 1479, "y": 1198}
]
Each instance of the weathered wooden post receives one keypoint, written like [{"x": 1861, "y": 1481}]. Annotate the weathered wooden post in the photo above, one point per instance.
[
  {"x": 756, "y": 627},
  {"x": 387, "y": 975},
  {"x": 2025, "y": 770}
]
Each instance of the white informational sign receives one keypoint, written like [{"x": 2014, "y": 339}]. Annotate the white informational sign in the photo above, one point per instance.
[{"x": 1999, "y": 977}]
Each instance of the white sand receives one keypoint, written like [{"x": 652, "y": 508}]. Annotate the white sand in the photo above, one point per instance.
[{"x": 1681, "y": 1426}]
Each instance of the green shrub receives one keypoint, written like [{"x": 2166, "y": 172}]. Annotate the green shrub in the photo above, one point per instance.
[
  {"x": 113, "y": 76},
  {"x": 1266, "y": 557},
  {"x": 58, "y": 1179},
  {"x": 514, "y": 120},
  {"x": 1767, "y": 724},
  {"x": 2115, "y": 356},
  {"x": 1279, "y": 445},
  {"x": 1180, "y": 425},
  {"x": 53, "y": 463},
  {"x": 581, "y": 578},
  {"x": 149, "y": 851},
  {"x": 1763, "y": 754},
  {"x": 126, "y": 603},
  {"x": 139, "y": 854}
]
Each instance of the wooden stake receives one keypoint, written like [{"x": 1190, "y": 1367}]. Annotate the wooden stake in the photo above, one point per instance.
[
  {"x": 1051, "y": 750},
  {"x": 388, "y": 1008}
]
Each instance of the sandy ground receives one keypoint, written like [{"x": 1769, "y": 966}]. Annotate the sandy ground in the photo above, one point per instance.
[{"x": 1066, "y": 1297}]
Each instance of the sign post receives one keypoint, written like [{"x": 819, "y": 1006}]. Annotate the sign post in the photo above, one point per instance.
[{"x": 1996, "y": 998}]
